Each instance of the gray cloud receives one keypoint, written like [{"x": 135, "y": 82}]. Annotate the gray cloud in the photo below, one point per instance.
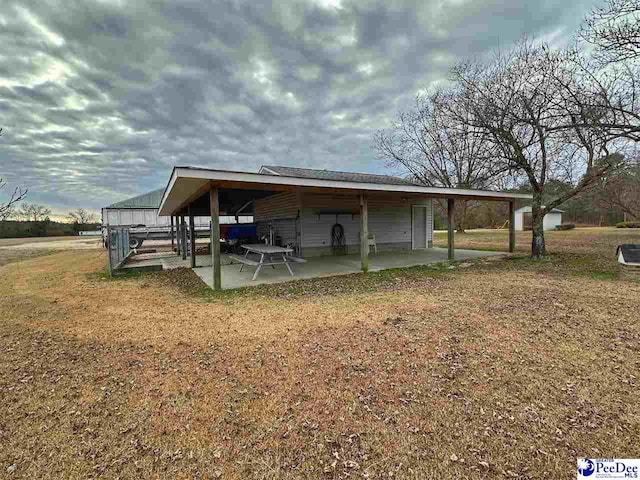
[{"x": 99, "y": 99}]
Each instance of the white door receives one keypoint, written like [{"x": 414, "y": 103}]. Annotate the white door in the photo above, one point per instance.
[{"x": 419, "y": 227}]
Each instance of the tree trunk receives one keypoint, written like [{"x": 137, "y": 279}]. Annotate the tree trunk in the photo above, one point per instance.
[{"x": 538, "y": 250}]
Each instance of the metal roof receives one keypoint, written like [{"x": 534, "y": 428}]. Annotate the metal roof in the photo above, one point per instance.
[
  {"x": 146, "y": 200},
  {"x": 334, "y": 175}
]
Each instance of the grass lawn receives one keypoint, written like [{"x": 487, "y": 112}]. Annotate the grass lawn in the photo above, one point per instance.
[
  {"x": 492, "y": 369},
  {"x": 9, "y": 255}
]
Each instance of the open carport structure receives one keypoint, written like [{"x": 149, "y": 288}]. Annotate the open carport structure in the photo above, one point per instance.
[{"x": 300, "y": 208}]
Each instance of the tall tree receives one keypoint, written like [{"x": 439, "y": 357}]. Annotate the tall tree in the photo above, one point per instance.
[
  {"x": 34, "y": 212},
  {"x": 549, "y": 115},
  {"x": 614, "y": 29},
  {"x": 621, "y": 190},
  {"x": 435, "y": 149},
  {"x": 82, "y": 216}
]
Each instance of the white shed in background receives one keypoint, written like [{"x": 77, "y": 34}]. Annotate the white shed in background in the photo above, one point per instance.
[{"x": 523, "y": 219}]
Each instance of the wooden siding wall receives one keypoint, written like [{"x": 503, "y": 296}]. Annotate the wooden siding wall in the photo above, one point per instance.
[
  {"x": 284, "y": 228},
  {"x": 281, "y": 205},
  {"x": 389, "y": 219}
]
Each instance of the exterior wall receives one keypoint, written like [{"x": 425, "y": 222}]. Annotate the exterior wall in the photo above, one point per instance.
[
  {"x": 280, "y": 214},
  {"x": 284, "y": 228},
  {"x": 551, "y": 220},
  {"x": 281, "y": 205},
  {"x": 548, "y": 223},
  {"x": 149, "y": 217},
  {"x": 390, "y": 219},
  {"x": 519, "y": 221}
]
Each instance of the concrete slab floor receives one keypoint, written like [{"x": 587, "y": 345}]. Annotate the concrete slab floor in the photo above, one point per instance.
[{"x": 328, "y": 266}]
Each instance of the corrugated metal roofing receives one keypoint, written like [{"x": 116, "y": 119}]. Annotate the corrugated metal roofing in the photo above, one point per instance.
[
  {"x": 334, "y": 175},
  {"x": 146, "y": 200}
]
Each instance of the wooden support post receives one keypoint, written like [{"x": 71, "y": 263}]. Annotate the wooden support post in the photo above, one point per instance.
[
  {"x": 184, "y": 237},
  {"x": 451, "y": 228},
  {"x": 215, "y": 237},
  {"x": 192, "y": 232},
  {"x": 171, "y": 233},
  {"x": 512, "y": 227},
  {"x": 364, "y": 232}
]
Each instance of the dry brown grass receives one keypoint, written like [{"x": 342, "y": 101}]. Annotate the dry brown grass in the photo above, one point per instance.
[
  {"x": 501, "y": 370},
  {"x": 15, "y": 255}
]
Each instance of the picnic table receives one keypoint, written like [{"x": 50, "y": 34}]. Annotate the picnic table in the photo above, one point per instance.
[{"x": 269, "y": 255}]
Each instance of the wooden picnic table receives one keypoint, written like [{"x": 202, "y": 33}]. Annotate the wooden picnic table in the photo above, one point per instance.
[{"x": 269, "y": 255}]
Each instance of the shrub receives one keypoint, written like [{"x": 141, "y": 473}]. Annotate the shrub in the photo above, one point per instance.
[
  {"x": 634, "y": 224},
  {"x": 566, "y": 226}
]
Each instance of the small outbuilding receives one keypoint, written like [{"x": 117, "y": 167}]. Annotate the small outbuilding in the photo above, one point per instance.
[{"x": 523, "y": 219}]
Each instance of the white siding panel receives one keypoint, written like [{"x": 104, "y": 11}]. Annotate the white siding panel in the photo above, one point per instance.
[
  {"x": 316, "y": 229},
  {"x": 282, "y": 205},
  {"x": 519, "y": 221},
  {"x": 333, "y": 202},
  {"x": 551, "y": 220},
  {"x": 389, "y": 218},
  {"x": 390, "y": 225},
  {"x": 113, "y": 217},
  {"x": 150, "y": 217},
  {"x": 283, "y": 228},
  {"x": 126, "y": 217},
  {"x": 137, "y": 217}
]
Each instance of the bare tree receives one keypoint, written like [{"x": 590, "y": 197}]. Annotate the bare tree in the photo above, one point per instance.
[
  {"x": 547, "y": 117},
  {"x": 7, "y": 207},
  {"x": 82, "y": 216},
  {"x": 435, "y": 149},
  {"x": 34, "y": 212},
  {"x": 614, "y": 29},
  {"x": 621, "y": 190}
]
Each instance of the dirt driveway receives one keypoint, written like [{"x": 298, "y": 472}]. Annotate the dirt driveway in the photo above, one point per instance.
[{"x": 51, "y": 243}]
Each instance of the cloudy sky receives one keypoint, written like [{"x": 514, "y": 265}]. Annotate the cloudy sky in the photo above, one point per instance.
[{"x": 100, "y": 98}]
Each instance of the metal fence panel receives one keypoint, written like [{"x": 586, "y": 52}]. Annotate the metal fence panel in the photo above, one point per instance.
[{"x": 117, "y": 243}]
